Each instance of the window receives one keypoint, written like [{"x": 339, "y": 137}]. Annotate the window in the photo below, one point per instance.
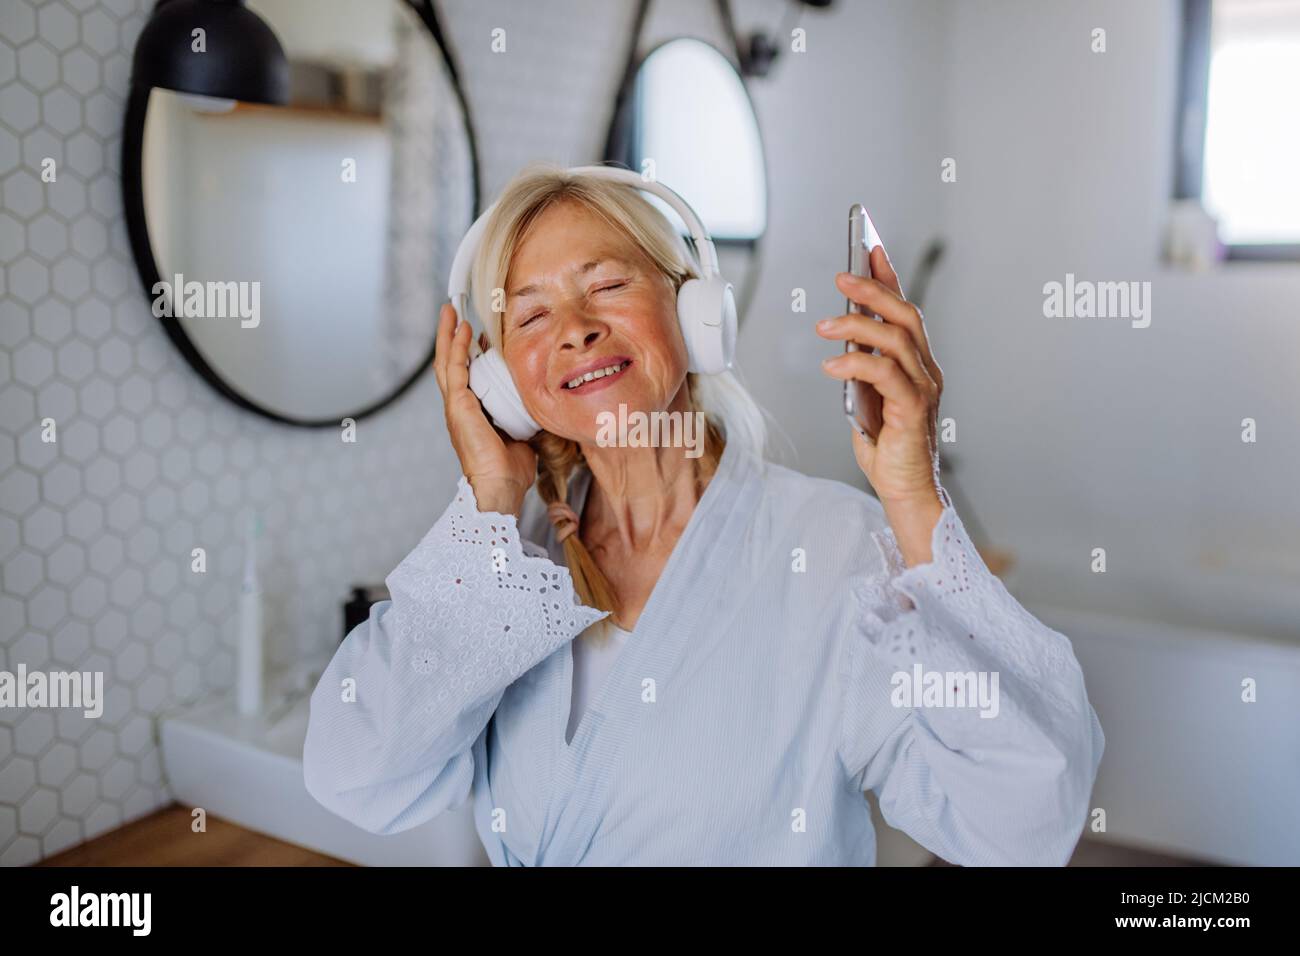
[{"x": 1239, "y": 123}]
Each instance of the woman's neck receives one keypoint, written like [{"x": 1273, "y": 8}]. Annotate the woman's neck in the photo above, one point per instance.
[{"x": 641, "y": 497}]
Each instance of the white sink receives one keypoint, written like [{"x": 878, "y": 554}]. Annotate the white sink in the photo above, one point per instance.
[{"x": 248, "y": 770}]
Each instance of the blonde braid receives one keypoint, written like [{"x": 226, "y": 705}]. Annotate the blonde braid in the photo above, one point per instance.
[{"x": 556, "y": 458}]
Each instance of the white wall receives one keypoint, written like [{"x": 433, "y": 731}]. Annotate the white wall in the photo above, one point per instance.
[{"x": 1077, "y": 433}]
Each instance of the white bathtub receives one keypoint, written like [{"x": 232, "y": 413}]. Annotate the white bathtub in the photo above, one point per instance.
[{"x": 1189, "y": 767}]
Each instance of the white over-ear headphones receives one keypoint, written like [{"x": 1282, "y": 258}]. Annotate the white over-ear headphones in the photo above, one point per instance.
[{"x": 706, "y": 310}]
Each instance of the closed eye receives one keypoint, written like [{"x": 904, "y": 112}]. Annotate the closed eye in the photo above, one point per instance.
[{"x": 606, "y": 288}]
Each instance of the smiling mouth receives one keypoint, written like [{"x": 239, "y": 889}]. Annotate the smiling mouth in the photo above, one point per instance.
[{"x": 584, "y": 382}]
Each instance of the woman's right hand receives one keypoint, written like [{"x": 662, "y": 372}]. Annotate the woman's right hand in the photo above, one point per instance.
[{"x": 500, "y": 469}]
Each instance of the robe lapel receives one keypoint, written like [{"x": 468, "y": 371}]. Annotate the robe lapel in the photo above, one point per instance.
[{"x": 685, "y": 595}]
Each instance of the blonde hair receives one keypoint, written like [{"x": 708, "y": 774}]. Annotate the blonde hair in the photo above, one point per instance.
[{"x": 731, "y": 414}]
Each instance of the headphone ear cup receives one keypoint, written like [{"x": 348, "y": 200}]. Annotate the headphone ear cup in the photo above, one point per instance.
[
  {"x": 490, "y": 380},
  {"x": 706, "y": 310}
]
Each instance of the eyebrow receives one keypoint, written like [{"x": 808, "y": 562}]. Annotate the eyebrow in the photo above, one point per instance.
[{"x": 582, "y": 270}]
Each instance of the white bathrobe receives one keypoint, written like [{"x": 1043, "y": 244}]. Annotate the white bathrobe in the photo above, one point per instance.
[{"x": 785, "y": 662}]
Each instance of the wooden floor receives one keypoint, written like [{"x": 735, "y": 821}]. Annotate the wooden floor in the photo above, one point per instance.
[{"x": 166, "y": 839}]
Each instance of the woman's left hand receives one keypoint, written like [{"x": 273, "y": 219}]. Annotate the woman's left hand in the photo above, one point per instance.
[{"x": 903, "y": 464}]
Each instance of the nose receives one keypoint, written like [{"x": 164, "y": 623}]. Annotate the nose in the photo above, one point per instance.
[{"x": 580, "y": 329}]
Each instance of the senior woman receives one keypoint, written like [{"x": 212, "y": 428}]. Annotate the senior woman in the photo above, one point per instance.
[{"x": 651, "y": 655}]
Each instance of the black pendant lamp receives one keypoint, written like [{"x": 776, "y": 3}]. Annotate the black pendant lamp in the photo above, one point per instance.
[{"x": 238, "y": 56}]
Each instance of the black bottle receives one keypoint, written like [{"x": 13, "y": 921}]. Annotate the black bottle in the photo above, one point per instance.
[{"x": 358, "y": 608}]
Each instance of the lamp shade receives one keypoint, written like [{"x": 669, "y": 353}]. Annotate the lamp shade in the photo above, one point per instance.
[{"x": 236, "y": 57}]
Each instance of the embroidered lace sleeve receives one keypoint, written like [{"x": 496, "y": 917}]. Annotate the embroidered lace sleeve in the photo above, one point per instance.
[
  {"x": 395, "y": 714},
  {"x": 966, "y": 714}
]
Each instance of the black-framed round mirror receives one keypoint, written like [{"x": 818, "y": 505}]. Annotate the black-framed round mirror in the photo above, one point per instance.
[
  {"x": 684, "y": 117},
  {"x": 297, "y": 255}
]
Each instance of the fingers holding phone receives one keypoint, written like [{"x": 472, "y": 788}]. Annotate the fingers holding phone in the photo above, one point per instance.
[
  {"x": 881, "y": 295},
  {"x": 892, "y": 382}
]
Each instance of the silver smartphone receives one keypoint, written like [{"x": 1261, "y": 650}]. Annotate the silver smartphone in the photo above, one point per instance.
[{"x": 862, "y": 403}]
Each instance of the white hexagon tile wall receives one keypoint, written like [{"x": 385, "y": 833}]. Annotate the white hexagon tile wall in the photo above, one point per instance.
[{"x": 96, "y": 528}]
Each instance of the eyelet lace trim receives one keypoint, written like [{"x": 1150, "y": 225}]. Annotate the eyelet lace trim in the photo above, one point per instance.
[
  {"x": 475, "y": 610},
  {"x": 954, "y": 614}
]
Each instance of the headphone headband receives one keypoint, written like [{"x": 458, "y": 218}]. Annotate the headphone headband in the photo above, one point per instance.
[{"x": 458, "y": 282}]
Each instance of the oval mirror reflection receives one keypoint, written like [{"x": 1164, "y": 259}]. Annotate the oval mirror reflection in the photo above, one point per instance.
[
  {"x": 689, "y": 120},
  {"x": 315, "y": 237}
]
